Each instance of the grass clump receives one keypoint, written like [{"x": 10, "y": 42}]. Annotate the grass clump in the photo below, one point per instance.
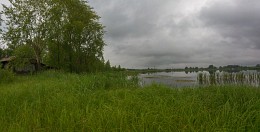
[
  {"x": 56, "y": 101},
  {"x": 6, "y": 76}
]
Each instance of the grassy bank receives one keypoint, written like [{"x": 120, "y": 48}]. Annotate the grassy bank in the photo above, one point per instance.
[{"x": 55, "y": 101}]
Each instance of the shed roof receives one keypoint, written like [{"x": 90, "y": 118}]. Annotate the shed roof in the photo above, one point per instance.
[{"x": 7, "y": 59}]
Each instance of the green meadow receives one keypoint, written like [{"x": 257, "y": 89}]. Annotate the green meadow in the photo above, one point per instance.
[{"x": 58, "y": 101}]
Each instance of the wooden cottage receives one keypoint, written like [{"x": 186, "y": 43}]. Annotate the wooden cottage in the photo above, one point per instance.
[
  {"x": 5, "y": 62},
  {"x": 30, "y": 67}
]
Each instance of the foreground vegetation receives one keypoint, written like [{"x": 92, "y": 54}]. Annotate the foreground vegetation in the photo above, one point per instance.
[{"x": 56, "y": 101}]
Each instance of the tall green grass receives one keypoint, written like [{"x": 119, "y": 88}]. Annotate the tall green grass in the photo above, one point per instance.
[
  {"x": 6, "y": 76},
  {"x": 56, "y": 101}
]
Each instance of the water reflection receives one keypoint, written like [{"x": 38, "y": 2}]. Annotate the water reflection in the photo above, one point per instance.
[
  {"x": 172, "y": 79},
  {"x": 191, "y": 79},
  {"x": 251, "y": 78}
]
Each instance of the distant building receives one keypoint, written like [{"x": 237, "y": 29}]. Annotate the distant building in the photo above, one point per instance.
[
  {"x": 6, "y": 64},
  {"x": 5, "y": 61}
]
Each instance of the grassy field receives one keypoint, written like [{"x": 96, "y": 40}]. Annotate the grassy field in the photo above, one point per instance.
[{"x": 56, "y": 101}]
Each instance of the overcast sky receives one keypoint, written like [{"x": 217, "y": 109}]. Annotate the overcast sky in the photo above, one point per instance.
[{"x": 179, "y": 33}]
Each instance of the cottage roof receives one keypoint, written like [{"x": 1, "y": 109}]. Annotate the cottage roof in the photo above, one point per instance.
[{"x": 6, "y": 59}]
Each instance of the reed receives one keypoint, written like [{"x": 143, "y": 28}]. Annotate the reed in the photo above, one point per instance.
[{"x": 224, "y": 78}]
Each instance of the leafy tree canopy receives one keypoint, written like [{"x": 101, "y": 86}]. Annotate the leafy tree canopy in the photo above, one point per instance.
[{"x": 65, "y": 34}]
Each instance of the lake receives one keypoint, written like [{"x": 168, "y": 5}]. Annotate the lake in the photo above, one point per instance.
[
  {"x": 192, "y": 79},
  {"x": 172, "y": 79}
]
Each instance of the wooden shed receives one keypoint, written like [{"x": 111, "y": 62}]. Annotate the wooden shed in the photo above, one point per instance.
[
  {"x": 30, "y": 67},
  {"x": 5, "y": 61}
]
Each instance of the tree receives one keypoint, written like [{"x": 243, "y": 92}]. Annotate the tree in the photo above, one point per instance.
[
  {"x": 76, "y": 37},
  {"x": 1, "y": 53},
  {"x": 24, "y": 56},
  {"x": 212, "y": 67},
  {"x": 64, "y": 33},
  {"x": 107, "y": 66},
  {"x": 26, "y": 25}
]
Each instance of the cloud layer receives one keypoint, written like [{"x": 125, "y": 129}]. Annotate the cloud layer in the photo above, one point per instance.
[{"x": 166, "y": 34}]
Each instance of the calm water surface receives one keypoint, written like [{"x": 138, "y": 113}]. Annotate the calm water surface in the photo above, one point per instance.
[
  {"x": 184, "y": 79},
  {"x": 172, "y": 79}
]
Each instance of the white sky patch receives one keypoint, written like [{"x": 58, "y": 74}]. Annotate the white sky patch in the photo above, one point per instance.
[{"x": 192, "y": 6}]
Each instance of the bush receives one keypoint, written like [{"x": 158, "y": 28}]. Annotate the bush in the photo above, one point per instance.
[{"x": 6, "y": 76}]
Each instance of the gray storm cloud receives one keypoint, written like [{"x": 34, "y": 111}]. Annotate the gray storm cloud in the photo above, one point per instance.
[
  {"x": 239, "y": 21},
  {"x": 148, "y": 33},
  {"x": 197, "y": 33},
  {"x": 166, "y": 34}
]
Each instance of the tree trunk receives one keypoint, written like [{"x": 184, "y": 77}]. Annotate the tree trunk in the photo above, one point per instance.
[
  {"x": 38, "y": 62},
  {"x": 37, "y": 52}
]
